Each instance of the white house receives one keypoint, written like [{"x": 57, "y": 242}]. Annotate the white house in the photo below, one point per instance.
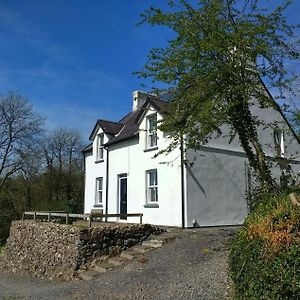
[{"x": 122, "y": 174}]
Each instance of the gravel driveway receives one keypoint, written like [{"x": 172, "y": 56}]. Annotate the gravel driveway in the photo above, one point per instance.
[{"x": 193, "y": 266}]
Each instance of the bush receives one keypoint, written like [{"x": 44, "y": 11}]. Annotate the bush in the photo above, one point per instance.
[{"x": 265, "y": 255}]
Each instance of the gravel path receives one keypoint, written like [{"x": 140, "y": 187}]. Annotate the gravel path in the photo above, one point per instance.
[{"x": 193, "y": 266}]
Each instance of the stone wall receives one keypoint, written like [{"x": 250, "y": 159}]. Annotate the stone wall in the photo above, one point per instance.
[{"x": 59, "y": 251}]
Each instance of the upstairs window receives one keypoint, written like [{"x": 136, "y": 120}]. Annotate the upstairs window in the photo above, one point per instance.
[
  {"x": 100, "y": 150},
  {"x": 99, "y": 190},
  {"x": 279, "y": 142},
  {"x": 151, "y": 189},
  {"x": 151, "y": 131}
]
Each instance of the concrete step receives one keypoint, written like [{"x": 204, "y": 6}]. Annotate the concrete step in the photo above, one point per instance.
[
  {"x": 117, "y": 260},
  {"x": 88, "y": 275},
  {"x": 129, "y": 254},
  {"x": 103, "y": 267},
  {"x": 153, "y": 243},
  {"x": 141, "y": 249}
]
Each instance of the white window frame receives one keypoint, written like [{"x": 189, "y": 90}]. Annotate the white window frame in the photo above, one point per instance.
[
  {"x": 100, "y": 147},
  {"x": 151, "y": 187},
  {"x": 99, "y": 191},
  {"x": 151, "y": 134},
  {"x": 279, "y": 142}
]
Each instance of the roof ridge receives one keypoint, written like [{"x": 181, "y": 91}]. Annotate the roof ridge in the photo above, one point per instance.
[
  {"x": 125, "y": 116},
  {"x": 110, "y": 121}
]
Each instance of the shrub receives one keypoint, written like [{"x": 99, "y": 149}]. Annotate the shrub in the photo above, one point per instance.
[{"x": 265, "y": 255}]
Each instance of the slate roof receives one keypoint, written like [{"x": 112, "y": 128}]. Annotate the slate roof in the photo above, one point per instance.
[
  {"x": 128, "y": 126},
  {"x": 130, "y": 129},
  {"x": 108, "y": 127},
  {"x": 130, "y": 121}
]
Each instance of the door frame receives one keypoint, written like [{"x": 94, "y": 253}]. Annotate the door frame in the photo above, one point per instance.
[{"x": 122, "y": 177}]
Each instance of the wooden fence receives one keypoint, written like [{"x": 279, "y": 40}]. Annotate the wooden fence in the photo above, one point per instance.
[{"x": 67, "y": 216}]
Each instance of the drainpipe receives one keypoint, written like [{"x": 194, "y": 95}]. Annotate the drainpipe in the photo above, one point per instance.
[
  {"x": 106, "y": 188},
  {"x": 84, "y": 180},
  {"x": 182, "y": 183}
]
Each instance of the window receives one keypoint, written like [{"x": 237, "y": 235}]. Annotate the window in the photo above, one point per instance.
[
  {"x": 279, "y": 142},
  {"x": 100, "y": 142},
  {"x": 151, "y": 131},
  {"x": 99, "y": 190},
  {"x": 151, "y": 192}
]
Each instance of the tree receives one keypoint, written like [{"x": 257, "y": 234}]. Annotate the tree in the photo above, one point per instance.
[
  {"x": 214, "y": 66},
  {"x": 20, "y": 129},
  {"x": 64, "y": 168}
]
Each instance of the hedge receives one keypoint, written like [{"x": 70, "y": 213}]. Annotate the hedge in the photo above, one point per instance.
[{"x": 265, "y": 255}]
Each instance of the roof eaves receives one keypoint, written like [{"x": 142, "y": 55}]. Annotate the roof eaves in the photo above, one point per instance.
[
  {"x": 112, "y": 142},
  {"x": 87, "y": 149},
  {"x": 279, "y": 110}
]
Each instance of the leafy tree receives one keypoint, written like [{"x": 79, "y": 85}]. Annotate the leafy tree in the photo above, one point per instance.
[
  {"x": 64, "y": 168},
  {"x": 20, "y": 129},
  {"x": 214, "y": 64}
]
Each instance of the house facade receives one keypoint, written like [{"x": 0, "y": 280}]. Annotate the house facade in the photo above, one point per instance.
[{"x": 124, "y": 175}]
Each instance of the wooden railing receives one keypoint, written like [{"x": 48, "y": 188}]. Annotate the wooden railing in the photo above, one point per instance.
[{"x": 67, "y": 216}]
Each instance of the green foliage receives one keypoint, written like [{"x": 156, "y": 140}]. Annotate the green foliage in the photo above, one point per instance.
[
  {"x": 38, "y": 171},
  {"x": 214, "y": 64},
  {"x": 265, "y": 255}
]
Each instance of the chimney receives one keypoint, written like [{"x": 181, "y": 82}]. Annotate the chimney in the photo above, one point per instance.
[{"x": 138, "y": 99}]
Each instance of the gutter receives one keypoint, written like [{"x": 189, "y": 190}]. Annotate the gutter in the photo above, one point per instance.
[{"x": 182, "y": 184}]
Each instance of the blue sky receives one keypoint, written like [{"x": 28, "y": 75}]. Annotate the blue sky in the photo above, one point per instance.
[{"x": 74, "y": 59}]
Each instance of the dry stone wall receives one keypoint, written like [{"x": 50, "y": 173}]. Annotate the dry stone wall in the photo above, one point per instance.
[{"x": 59, "y": 251}]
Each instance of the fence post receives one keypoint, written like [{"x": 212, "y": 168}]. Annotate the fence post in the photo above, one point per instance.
[
  {"x": 23, "y": 214},
  {"x": 141, "y": 218},
  {"x": 90, "y": 221},
  {"x": 67, "y": 218},
  {"x": 34, "y": 216},
  {"x": 49, "y": 217}
]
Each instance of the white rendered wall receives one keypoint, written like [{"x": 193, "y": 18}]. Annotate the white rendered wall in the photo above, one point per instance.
[
  {"x": 129, "y": 157},
  {"x": 272, "y": 119},
  {"x": 216, "y": 184},
  {"x": 93, "y": 170}
]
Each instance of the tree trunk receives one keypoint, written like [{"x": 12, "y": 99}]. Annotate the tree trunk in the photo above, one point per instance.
[{"x": 243, "y": 123}]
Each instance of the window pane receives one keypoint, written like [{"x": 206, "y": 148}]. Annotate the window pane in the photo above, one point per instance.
[
  {"x": 153, "y": 140},
  {"x": 277, "y": 137},
  {"x": 153, "y": 194},
  {"x": 100, "y": 183},
  {"x": 152, "y": 178},
  {"x": 99, "y": 190},
  {"x": 101, "y": 139},
  {"x": 100, "y": 153},
  {"x": 151, "y": 124}
]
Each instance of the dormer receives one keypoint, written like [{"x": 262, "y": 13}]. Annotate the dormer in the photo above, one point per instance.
[{"x": 103, "y": 132}]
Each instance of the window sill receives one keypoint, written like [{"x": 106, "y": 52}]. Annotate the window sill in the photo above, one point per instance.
[
  {"x": 98, "y": 205},
  {"x": 150, "y": 149},
  {"x": 99, "y": 161},
  {"x": 151, "y": 205}
]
